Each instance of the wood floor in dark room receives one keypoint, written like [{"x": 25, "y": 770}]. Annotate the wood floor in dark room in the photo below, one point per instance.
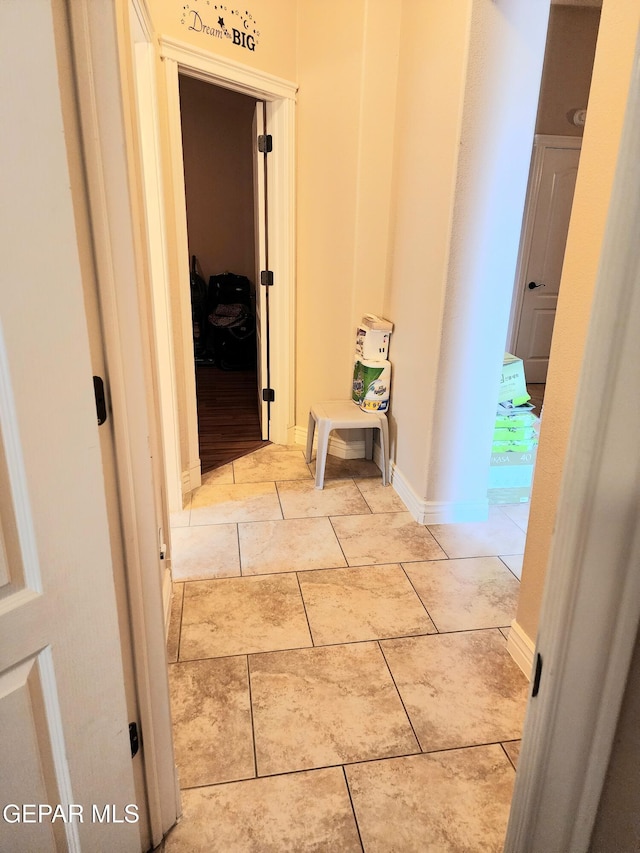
[{"x": 228, "y": 425}]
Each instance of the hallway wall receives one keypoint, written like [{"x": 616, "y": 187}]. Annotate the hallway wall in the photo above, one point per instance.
[
  {"x": 346, "y": 115},
  {"x": 271, "y": 23},
  {"x": 431, "y": 81},
  {"x": 382, "y": 87},
  {"x": 460, "y": 242},
  {"x": 610, "y": 84}
]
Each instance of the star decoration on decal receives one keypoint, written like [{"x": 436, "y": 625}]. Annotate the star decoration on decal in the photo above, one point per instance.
[{"x": 221, "y": 22}]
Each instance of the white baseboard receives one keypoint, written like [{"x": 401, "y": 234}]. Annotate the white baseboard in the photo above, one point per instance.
[
  {"x": 452, "y": 512},
  {"x": 337, "y": 446},
  {"x": 424, "y": 512},
  {"x": 433, "y": 512},
  {"x": 402, "y": 488},
  {"x": 192, "y": 478},
  {"x": 521, "y": 648}
]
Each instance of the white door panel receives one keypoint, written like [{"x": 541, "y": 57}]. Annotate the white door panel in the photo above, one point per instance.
[
  {"x": 262, "y": 313},
  {"x": 63, "y": 717},
  {"x": 550, "y": 198}
]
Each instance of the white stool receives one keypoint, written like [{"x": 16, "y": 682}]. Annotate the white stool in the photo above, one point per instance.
[{"x": 345, "y": 415}]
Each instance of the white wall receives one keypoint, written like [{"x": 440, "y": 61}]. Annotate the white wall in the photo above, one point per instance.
[
  {"x": 433, "y": 49},
  {"x": 347, "y": 67},
  {"x": 445, "y": 386}
]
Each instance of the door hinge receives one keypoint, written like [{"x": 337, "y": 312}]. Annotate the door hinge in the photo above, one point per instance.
[
  {"x": 536, "y": 677},
  {"x": 268, "y": 395},
  {"x": 134, "y": 739},
  {"x": 266, "y": 278},
  {"x": 265, "y": 143},
  {"x": 101, "y": 400}
]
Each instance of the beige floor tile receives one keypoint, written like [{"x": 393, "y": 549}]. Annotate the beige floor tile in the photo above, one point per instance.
[
  {"x": 175, "y": 622},
  {"x": 211, "y": 721},
  {"x": 219, "y": 476},
  {"x": 236, "y": 616},
  {"x": 263, "y": 466},
  {"x": 368, "y": 603},
  {"x": 505, "y": 632},
  {"x": 448, "y": 802},
  {"x": 512, "y": 748},
  {"x": 323, "y": 706},
  {"x": 514, "y": 563},
  {"x": 518, "y": 513},
  {"x": 280, "y": 448},
  {"x": 181, "y": 518},
  {"x": 301, "y": 499},
  {"x": 459, "y": 689},
  {"x": 392, "y": 537},
  {"x": 209, "y": 551},
  {"x": 477, "y": 592},
  {"x": 219, "y": 504},
  {"x": 341, "y": 469},
  {"x": 295, "y": 544},
  {"x": 380, "y": 498},
  {"x": 299, "y": 813},
  {"x": 497, "y": 535}
]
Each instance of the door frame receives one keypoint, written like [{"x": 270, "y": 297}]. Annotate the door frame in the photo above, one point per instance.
[
  {"x": 541, "y": 143},
  {"x": 104, "y": 79},
  {"x": 151, "y": 169},
  {"x": 280, "y": 98}
]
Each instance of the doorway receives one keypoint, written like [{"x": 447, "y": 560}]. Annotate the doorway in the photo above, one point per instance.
[
  {"x": 223, "y": 228},
  {"x": 278, "y": 97},
  {"x": 564, "y": 93}
]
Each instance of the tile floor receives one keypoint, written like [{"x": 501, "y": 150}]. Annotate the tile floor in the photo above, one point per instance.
[{"x": 339, "y": 673}]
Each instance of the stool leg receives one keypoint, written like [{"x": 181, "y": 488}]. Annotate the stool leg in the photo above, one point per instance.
[
  {"x": 321, "y": 453},
  {"x": 368, "y": 443},
  {"x": 384, "y": 441},
  {"x": 310, "y": 432}
]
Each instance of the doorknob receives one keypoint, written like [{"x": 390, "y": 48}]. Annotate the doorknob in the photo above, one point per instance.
[{"x": 532, "y": 285}]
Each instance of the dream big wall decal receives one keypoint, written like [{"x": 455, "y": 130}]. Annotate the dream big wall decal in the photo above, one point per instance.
[{"x": 215, "y": 20}]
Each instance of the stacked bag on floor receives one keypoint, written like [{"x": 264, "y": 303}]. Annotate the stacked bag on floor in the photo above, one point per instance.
[
  {"x": 231, "y": 328},
  {"x": 515, "y": 437},
  {"x": 372, "y": 369}
]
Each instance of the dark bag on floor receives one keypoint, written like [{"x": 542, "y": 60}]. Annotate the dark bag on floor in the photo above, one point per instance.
[
  {"x": 228, "y": 288},
  {"x": 231, "y": 322}
]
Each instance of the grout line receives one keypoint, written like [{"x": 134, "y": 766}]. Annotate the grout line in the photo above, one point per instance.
[
  {"x": 344, "y": 643},
  {"x": 507, "y": 754},
  {"x": 400, "y": 696},
  {"x": 253, "y": 728},
  {"x": 431, "y": 533},
  {"x": 275, "y": 485},
  {"x": 180, "y": 624},
  {"x": 313, "y": 642},
  {"x": 239, "y": 551},
  {"x": 420, "y": 598},
  {"x": 351, "y": 763},
  {"x": 353, "y": 808},
  {"x": 339, "y": 544},
  {"x": 510, "y": 569}
]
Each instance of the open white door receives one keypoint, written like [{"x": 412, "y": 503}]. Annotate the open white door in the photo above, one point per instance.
[
  {"x": 63, "y": 719},
  {"x": 262, "y": 261},
  {"x": 553, "y": 180}
]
